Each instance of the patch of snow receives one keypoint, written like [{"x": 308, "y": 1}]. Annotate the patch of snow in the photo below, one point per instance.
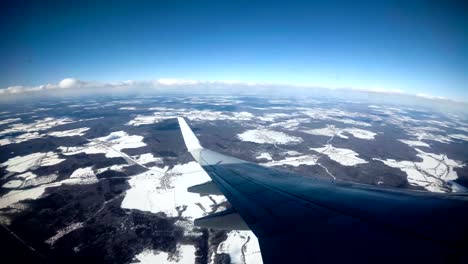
[
  {"x": 445, "y": 124},
  {"x": 264, "y": 155},
  {"x": 111, "y": 145},
  {"x": 129, "y": 108},
  {"x": 435, "y": 172},
  {"x": 13, "y": 184},
  {"x": 346, "y": 157},
  {"x": 459, "y": 136},
  {"x": 185, "y": 254},
  {"x": 62, "y": 232},
  {"x": 193, "y": 115},
  {"x": 242, "y": 247},
  {"x": 117, "y": 167},
  {"x": 29, "y": 179},
  {"x": 26, "y": 176},
  {"x": 15, "y": 196},
  {"x": 339, "y": 116},
  {"x": 271, "y": 117},
  {"x": 30, "y": 131},
  {"x": 20, "y": 138},
  {"x": 205, "y": 115},
  {"x": 70, "y": 133},
  {"x": 33, "y": 181},
  {"x": 243, "y": 115},
  {"x": 291, "y": 124},
  {"x": 147, "y": 120},
  {"x": 292, "y": 153},
  {"x": 28, "y": 162},
  {"x": 331, "y": 130},
  {"x": 428, "y": 128},
  {"x": 351, "y": 122},
  {"x": 146, "y": 158},
  {"x": 422, "y": 135},
  {"x": 38, "y": 125},
  {"x": 262, "y": 136},
  {"x": 294, "y": 161},
  {"x": 159, "y": 191},
  {"x": 9, "y": 120},
  {"x": 280, "y": 101},
  {"x": 162, "y": 109},
  {"x": 415, "y": 143},
  {"x": 360, "y": 133},
  {"x": 328, "y": 131},
  {"x": 81, "y": 176}
]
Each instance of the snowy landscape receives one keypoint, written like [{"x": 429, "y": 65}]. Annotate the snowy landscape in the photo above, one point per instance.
[{"x": 71, "y": 169}]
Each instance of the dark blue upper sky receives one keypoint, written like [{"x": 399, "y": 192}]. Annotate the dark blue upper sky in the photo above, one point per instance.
[{"x": 414, "y": 46}]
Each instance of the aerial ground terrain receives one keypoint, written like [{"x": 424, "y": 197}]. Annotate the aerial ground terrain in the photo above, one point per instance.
[{"x": 104, "y": 179}]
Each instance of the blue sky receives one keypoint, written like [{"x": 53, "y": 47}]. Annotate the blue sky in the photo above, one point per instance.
[{"x": 414, "y": 46}]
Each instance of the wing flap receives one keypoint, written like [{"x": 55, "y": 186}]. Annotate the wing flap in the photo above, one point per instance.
[
  {"x": 205, "y": 188},
  {"x": 228, "y": 219}
]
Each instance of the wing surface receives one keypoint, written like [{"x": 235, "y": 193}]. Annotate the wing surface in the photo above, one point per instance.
[{"x": 312, "y": 220}]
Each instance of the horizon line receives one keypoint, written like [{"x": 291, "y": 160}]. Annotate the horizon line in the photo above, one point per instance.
[{"x": 74, "y": 83}]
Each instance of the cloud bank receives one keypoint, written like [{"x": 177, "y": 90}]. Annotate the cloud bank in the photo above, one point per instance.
[
  {"x": 75, "y": 86},
  {"x": 72, "y": 84}
]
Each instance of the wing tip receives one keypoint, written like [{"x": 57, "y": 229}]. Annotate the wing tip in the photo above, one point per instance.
[{"x": 191, "y": 141}]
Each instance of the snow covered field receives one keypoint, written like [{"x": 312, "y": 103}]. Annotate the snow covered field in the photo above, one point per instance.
[
  {"x": 346, "y": 157},
  {"x": 20, "y": 138},
  {"x": 185, "y": 255},
  {"x": 166, "y": 191},
  {"x": 262, "y": 136},
  {"x": 79, "y": 176},
  {"x": 264, "y": 155},
  {"x": 242, "y": 247},
  {"x": 38, "y": 125},
  {"x": 415, "y": 143},
  {"x": 191, "y": 114},
  {"x": 111, "y": 145},
  {"x": 9, "y": 120},
  {"x": 294, "y": 161},
  {"x": 435, "y": 172},
  {"x": 33, "y": 130},
  {"x": 459, "y": 137},
  {"x": 339, "y": 116},
  {"x": 291, "y": 123},
  {"x": 128, "y": 108},
  {"x": 31, "y": 161},
  {"x": 278, "y": 131},
  {"x": 70, "y": 133},
  {"x": 331, "y": 130},
  {"x": 29, "y": 179}
]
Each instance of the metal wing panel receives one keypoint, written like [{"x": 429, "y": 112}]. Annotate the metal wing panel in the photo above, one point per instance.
[
  {"x": 294, "y": 225},
  {"x": 299, "y": 218},
  {"x": 415, "y": 213}
]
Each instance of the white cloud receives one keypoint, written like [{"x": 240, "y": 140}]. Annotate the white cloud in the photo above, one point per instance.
[
  {"x": 170, "y": 84},
  {"x": 376, "y": 90},
  {"x": 427, "y": 96},
  {"x": 68, "y": 83},
  {"x": 12, "y": 90},
  {"x": 176, "y": 82}
]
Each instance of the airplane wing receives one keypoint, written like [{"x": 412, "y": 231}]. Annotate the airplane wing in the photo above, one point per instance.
[{"x": 313, "y": 220}]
